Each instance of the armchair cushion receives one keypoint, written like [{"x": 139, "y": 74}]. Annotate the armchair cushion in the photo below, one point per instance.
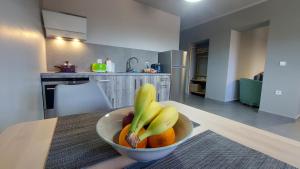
[{"x": 250, "y": 92}]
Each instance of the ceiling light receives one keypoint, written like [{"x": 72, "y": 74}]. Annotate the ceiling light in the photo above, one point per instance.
[
  {"x": 76, "y": 40},
  {"x": 59, "y": 38},
  {"x": 192, "y": 1}
]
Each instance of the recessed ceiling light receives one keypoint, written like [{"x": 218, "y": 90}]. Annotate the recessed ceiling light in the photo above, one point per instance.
[
  {"x": 192, "y": 1},
  {"x": 76, "y": 40},
  {"x": 59, "y": 38}
]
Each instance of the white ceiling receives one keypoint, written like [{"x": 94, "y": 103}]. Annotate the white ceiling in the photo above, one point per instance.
[{"x": 193, "y": 14}]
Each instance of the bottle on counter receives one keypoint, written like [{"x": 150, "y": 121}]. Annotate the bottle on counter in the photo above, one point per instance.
[
  {"x": 110, "y": 66},
  {"x": 99, "y": 67}
]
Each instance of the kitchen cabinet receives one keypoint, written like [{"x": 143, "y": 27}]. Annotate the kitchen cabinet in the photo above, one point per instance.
[
  {"x": 140, "y": 80},
  {"x": 162, "y": 84},
  {"x": 125, "y": 91},
  {"x": 121, "y": 89},
  {"x": 108, "y": 84}
]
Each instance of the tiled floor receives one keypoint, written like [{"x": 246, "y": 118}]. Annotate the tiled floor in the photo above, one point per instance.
[{"x": 248, "y": 115}]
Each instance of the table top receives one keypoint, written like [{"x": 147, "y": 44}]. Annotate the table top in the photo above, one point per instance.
[{"x": 26, "y": 145}]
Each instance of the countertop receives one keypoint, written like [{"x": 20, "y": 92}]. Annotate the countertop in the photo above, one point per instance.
[
  {"x": 88, "y": 74},
  {"x": 26, "y": 145}
]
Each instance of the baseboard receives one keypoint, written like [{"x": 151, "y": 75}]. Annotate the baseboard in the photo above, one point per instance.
[
  {"x": 231, "y": 100},
  {"x": 293, "y": 118}
]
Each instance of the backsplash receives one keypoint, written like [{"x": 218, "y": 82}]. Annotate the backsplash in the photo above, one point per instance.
[{"x": 83, "y": 55}]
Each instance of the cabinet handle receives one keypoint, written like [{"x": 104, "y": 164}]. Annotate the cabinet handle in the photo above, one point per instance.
[
  {"x": 113, "y": 102},
  {"x": 50, "y": 89},
  {"x": 103, "y": 80},
  {"x": 164, "y": 79},
  {"x": 158, "y": 98},
  {"x": 141, "y": 81},
  {"x": 164, "y": 86},
  {"x": 134, "y": 84}
]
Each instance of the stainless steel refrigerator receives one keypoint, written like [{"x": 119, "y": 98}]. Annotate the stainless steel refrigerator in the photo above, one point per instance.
[{"x": 175, "y": 63}]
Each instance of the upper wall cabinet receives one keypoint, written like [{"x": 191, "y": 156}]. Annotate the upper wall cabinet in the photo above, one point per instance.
[{"x": 64, "y": 25}]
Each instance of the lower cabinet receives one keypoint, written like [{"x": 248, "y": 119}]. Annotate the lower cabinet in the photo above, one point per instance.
[
  {"x": 163, "y": 87},
  {"x": 121, "y": 89},
  {"x": 125, "y": 91},
  {"x": 107, "y": 83},
  {"x": 162, "y": 84}
]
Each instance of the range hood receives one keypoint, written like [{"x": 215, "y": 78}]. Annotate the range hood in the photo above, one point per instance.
[{"x": 64, "y": 25}]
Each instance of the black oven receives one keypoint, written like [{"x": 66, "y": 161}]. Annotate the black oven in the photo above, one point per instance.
[{"x": 48, "y": 86}]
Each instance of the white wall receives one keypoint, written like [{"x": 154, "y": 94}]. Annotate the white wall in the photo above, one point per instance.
[
  {"x": 283, "y": 44},
  {"x": 124, "y": 23},
  {"x": 219, "y": 33},
  {"x": 22, "y": 58},
  {"x": 253, "y": 52},
  {"x": 233, "y": 61},
  {"x": 247, "y": 57}
]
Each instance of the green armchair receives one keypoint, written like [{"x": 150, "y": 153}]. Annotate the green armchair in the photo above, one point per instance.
[{"x": 250, "y": 92}]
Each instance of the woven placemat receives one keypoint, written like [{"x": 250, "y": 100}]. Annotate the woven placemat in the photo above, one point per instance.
[
  {"x": 76, "y": 144},
  {"x": 212, "y": 151}
]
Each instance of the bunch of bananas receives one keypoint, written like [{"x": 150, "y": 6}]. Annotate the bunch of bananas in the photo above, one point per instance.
[{"x": 149, "y": 112}]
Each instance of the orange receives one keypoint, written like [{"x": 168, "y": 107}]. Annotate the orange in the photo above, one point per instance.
[
  {"x": 123, "y": 134},
  {"x": 164, "y": 139}
]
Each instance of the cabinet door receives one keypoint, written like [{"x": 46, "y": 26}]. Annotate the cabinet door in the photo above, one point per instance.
[
  {"x": 125, "y": 91},
  {"x": 130, "y": 84},
  {"x": 155, "y": 80},
  {"x": 107, "y": 83},
  {"x": 140, "y": 80},
  {"x": 163, "y": 83}
]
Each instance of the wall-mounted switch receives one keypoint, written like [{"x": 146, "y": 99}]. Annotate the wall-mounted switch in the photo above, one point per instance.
[
  {"x": 282, "y": 63},
  {"x": 278, "y": 92}
]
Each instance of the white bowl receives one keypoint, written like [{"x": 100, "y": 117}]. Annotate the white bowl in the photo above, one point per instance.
[{"x": 110, "y": 124}]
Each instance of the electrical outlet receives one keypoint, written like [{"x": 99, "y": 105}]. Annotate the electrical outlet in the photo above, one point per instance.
[
  {"x": 278, "y": 92},
  {"x": 282, "y": 63}
]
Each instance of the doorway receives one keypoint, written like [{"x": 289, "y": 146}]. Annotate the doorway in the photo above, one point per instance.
[
  {"x": 247, "y": 58},
  {"x": 199, "y": 62}
]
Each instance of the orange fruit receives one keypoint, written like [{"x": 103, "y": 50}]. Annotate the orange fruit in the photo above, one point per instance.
[
  {"x": 161, "y": 140},
  {"x": 123, "y": 141}
]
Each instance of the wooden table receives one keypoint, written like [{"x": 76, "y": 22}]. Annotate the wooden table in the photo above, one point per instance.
[{"x": 26, "y": 145}]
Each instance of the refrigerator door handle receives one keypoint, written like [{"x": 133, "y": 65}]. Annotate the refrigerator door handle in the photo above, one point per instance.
[{"x": 178, "y": 67}]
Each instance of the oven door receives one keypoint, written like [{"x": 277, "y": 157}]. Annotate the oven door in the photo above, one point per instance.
[
  {"x": 49, "y": 90},
  {"x": 49, "y": 96}
]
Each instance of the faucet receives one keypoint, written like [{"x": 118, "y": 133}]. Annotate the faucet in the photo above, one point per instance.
[{"x": 129, "y": 65}]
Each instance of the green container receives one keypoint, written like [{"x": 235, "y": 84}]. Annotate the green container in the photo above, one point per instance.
[{"x": 99, "y": 67}]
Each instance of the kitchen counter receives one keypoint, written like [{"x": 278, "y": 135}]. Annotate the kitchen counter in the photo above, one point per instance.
[
  {"x": 119, "y": 87},
  {"x": 89, "y": 74},
  {"x": 26, "y": 145}
]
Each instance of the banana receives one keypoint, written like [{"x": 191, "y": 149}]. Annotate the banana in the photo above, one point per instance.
[
  {"x": 166, "y": 119},
  {"x": 144, "y": 96},
  {"x": 150, "y": 113}
]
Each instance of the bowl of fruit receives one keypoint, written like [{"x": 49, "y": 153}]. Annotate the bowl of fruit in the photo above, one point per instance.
[{"x": 146, "y": 132}]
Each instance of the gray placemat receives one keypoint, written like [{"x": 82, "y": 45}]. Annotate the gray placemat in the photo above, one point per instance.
[
  {"x": 75, "y": 143},
  {"x": 212, "y": 151},
  {"x": 195, "y": 124}
]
